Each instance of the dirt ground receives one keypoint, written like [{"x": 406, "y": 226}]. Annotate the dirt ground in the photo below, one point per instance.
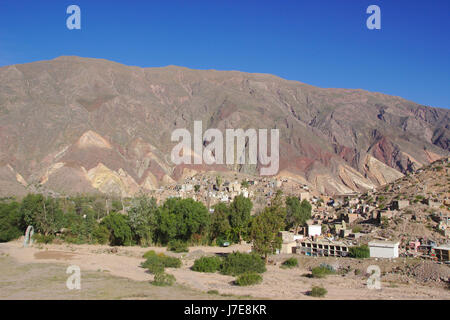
[{"x": 107, "y": 272}]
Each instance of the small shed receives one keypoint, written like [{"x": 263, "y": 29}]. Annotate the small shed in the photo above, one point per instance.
[{"x": 383, "y": 249}]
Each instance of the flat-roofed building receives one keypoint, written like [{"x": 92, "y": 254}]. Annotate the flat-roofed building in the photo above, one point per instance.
[{"x": 383, "y": 249}]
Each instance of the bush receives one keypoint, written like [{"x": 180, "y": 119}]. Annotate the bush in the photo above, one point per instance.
[
  {"x": 101, "y": 234},
  {"x": 163, "y": 279},
  {"x": 207, "y": 264},
  {"x": 120, "y": 231},
  {"x": 156, "y": 263},
  {"x": 356, "y": 229},
  {"x": 40, "y": 238},
  {"x": 238, "y": 263},
  {"x": 290, "y": 263},
  {"x": 321, "y": 272},
  {"x": 177, "y": 246},
  {"x": 318, "y": 292},
  {"x": 248, "y": 279},
  {"x": 360, "y": 252},
  {"x": 11, "y": 222}
]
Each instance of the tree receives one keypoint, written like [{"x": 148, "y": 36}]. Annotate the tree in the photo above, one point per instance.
[
  {"x": 181, "y": 219},
  {"x": 266, "y": 226},
  {"x": 220, "y": 221},
  {"x": 297, "y": 213},
  {"x": 241, "y": 208},
  {"x": 142, "y": 216},
  {"x": 44, "y": 214},
  {"x": 11, "y": 221},
  {"x": 120, "y": 231},
  {"x": 244, "y": 184}
]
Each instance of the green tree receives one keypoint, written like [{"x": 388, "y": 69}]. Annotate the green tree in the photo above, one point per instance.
[
  {"x": 266, "y": 227},
  {"x": 142, "y": 216},
  {"x": 297, "y": 213},
  {"x": 44, "y": 214},
  {"x": 181, "y": 219},
  {"x": 218, "y": 181},
  {"x": 118, "y": 226},
  {"x": 240, "y": 208},
  {"x": 220, "y": 221},
  {"x": 11, "y": 221}
]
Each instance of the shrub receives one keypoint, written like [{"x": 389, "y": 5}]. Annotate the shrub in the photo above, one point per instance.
[
  {"x": 177, "y": 246},
  {"x": 11, "y": 222},
  {"x": 120, "y": 231},
  {"x": 163, "y": 279},
  {"x": 40, "y": 238},
  {"x": 360, "y": 252},
  {"x": 290, "y": 263},
  {"x": 321, "y": 272},
  {"x": 356, "y": 229},
  {"x": 207, "y": 264},
  {"x": 318, "y": 292},
  {"x": 237, "y": 263},
  {"x": 213, "y": 292},
  {"x": 248, "y": 279},
  {"x": 156, "y": 263},
  {"x": 101, "y": 234}
]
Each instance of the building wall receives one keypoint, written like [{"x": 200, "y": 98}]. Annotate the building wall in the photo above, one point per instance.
[{"x": 383, "y": 252}]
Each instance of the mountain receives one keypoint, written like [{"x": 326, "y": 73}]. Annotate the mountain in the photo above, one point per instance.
[{"x": 89, "y": 125}]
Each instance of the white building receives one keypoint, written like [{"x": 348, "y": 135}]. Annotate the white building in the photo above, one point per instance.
[
  {"x": 314, "y": 230},
  {"x": 383, "y": 249}
]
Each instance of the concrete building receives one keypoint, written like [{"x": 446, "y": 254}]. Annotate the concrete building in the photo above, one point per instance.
[
  {"x": 383, "y": 249},
  {"x": 314, "y": 230},
  {"x": 322, "y": 248},
  {"x": 442, "y": 252}
]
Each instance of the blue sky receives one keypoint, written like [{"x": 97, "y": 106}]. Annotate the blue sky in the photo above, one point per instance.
[{"x": 323, "y": 43}]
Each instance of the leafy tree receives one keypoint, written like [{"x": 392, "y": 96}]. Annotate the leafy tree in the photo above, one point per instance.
[
  {"x": 44, "y": 214},
  {"x": 266, "y": 227},
  {"x": 241, "y": 208},
  {"x": 120, "y": 231},
  {"x": 297, "y": 213},
  {"x": 11, "y": 221},
  {"x": 142, "y": 216},
  {"x": 220, "y": 221},
  {"x": 181, "y": 219}
]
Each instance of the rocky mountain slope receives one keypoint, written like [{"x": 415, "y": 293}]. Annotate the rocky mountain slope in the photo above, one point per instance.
[{"x": 89, "y": 125}]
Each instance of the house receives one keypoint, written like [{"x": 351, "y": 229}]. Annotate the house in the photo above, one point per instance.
[
  {"x": 383, "y": 249},
  {"x": 322, "y": 248},
  {"x": 288, "y": 242}
]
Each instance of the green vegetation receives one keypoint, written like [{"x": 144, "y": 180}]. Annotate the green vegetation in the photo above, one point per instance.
[
  {"x": 163, "y": 279},
  {"x": 238, "y": 263},
  {"x": 244, "y": 184},
  {"x": 248, "y": 279},
  {"x": 290, "y": 263},
  {"x": 11, "y": 221},
  {"x": 177, "y": 246},
  {"x": 357, "y": 229},
  {"x": 321, "y": 272},
  {"x": 297, "y": 213},
  {"x": 156, "y": 263},
  {"x": 318, "y": 292},
  {"x": 266, "y": 227},
  {"x": 207, "y": 264},
  {"x": 360, "y": 252}
]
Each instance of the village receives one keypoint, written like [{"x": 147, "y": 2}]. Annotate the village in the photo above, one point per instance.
[{"x": 406, "y": 218}]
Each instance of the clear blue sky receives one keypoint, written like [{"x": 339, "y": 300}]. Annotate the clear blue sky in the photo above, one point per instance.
[{"x": 319, "y": 42}]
